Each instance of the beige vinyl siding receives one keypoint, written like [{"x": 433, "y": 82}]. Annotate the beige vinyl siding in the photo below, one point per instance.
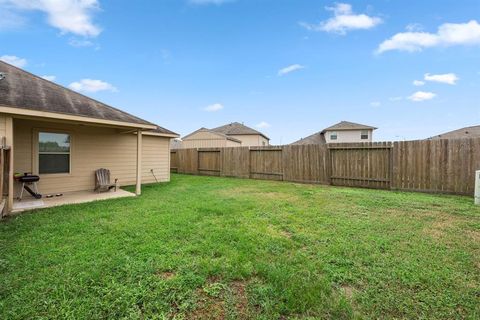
[
  {"x": 348, "y": 136},
  {"x": 2, "y": 125},
  {"x": 204, "y": 139},
  {"x": 251, "y": 140},
  {"x": 91, "y": 148}
]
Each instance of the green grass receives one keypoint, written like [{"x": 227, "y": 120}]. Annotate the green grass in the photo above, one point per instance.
[{"x": 201, "y": 247}]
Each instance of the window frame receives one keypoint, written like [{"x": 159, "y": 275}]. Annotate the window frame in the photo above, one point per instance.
[
  {"x": 36, "y": 151},
  {"x": 333, "y": 133},
  {"x": 364, "y": 133}
]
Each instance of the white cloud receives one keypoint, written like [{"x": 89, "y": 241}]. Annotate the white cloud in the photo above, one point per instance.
[
  {"x": 291, "y": 68},
  {"x": 70, "y": 16},
  {"x": 90, "y": 85},
  {"x": 422, "y": 96},
  {"x": 418, "y": 83},
  {"x": 263, "y": 125},
  {"x": 49, "y": 78},
  {"x": 214, "y": 107},
  {"x": 344, "y": 20},
  {"x": 14, "y": 61},
  {"x": 375, "y": 104},
  {"x": 448, "y": 34},
  {"x": 413, "y": 27},
  {"x": 217, "y": 2},
  {"x": 448, "y": 78}
]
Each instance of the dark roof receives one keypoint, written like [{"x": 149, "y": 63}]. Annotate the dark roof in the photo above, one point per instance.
[
  {"x": 203, "y": 129},
  {"x": 236, "y": 128},
  {"x": 316, "y": 138},
  {"x": 346, "y": 125},
  {"x": 23, "y": 90},
  {"x": 467, "y": 132},
  {"x": 163, "y": 130}
]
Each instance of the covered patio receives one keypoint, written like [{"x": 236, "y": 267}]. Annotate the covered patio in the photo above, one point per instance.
[
  {"x": 54, "y": 140},
  {"x": 75, "y": 197}
]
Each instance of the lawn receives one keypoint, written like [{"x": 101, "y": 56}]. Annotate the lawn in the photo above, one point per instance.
[{"x": 206, "y": 247}]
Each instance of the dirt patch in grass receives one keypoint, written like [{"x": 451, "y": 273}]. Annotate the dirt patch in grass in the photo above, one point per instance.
[
  {"x": 208, "y": 307},
  {"x": 219, "y": 301},
  {"x": 440, "y": 225},
  {"x": 348, "y": 291},
  {"x": 267, "y": 195},
  {"x": 239, "y": 291}
]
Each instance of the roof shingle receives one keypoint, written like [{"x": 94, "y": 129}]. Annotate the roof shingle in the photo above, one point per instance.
[
  {"x": 346, "y": 125},
  {"x": 236, "y": 128}
]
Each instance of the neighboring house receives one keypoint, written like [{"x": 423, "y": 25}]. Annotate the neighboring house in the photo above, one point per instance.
[
  {"x": 342, "y": 132},
  {"x": 206, "y": 138},
  {"x": 467, "y": 132},
  {"x": 64, "y": 136},
  {"x": 231, "y": 135}
]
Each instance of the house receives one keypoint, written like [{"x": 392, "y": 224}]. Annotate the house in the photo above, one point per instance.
[
  {"x": 64, "y": 136},
  {"x": 230, "y": 135},
  {"x": 467, "y": 132},
  {"x": 342, "y": 132}
]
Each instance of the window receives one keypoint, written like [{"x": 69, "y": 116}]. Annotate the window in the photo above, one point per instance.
[
  {"x": 333, "y": 136},
  {"x": 364, "y": 134},
  {"x": 53, "y": 152}
]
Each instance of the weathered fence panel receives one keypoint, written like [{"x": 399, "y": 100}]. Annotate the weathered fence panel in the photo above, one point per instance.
[
  {"x": 306, "y": 163},
  {"x": 436, "y": 165},
  {"x": 235, "y": 162},
  {"x": 266, "y": 163},
  {"x": 187, "y": 161},
  {"x": 173, "y": 161},
  {"x": 209, "y": 162},
  {"x": 367, "y": 165},
  {"x": 446, "y": 166}
]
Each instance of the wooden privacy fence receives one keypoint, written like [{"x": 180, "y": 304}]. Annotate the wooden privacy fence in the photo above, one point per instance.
[{"x": 446, "y": 166}]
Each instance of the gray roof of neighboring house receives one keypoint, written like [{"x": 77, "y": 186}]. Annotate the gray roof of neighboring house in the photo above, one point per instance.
[
  {"x": 467, "y": 132},
  {"x": 212, "y": 132},
  {"x": 23, "y": 90},
  {"x": 236, "y": 128},
  {"x": 319, "y": 137},
  {"x": 316, "y": 138},
  {"x": 346, "y": 125}
]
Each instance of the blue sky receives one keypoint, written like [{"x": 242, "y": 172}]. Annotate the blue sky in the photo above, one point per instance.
[{"x": 290, "y": 67}]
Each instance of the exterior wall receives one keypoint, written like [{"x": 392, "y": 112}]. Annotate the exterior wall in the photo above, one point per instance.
[
  {"x": 91, "y": 148},
  {"x": 251, "y": 140},
  {"x": 3, "y": 125},
  {"x": 346, "y": 136},
  {"x": 207, "y": 140}
]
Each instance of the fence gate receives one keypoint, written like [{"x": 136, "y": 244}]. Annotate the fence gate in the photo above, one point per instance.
[{"x": 368, "y": 165}]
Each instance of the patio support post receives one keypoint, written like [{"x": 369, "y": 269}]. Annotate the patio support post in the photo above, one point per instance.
[
  {"x": 138, "y": 189},
  {"x": 9, "y": 141}
]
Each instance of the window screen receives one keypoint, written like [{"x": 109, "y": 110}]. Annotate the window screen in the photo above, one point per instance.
[
  {"x": 53, "y": 152},
  {"x": 364, "y": 135},
  {"x": 333, "y": 136}
]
